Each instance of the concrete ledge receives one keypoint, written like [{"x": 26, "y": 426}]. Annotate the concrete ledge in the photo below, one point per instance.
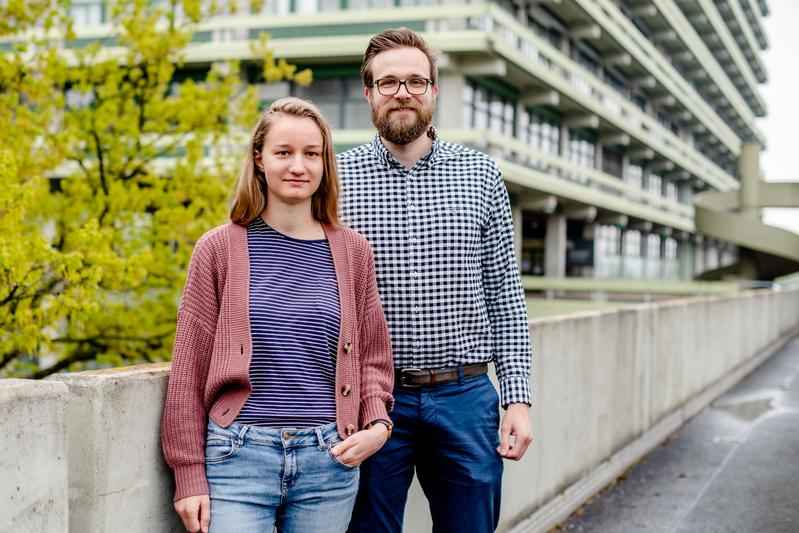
[
  {"x": 608, "y": 386},
  {"x": 33, "y": 461},
  {"x": 118, "y": 480},
  {"x": 562, "y": 506}
]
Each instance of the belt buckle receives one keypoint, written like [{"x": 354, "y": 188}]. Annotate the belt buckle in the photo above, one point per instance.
[{"x": 402, "y": 377}]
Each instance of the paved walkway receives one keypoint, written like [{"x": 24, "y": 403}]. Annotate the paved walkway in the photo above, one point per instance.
[{"x": 733, "y": 468}]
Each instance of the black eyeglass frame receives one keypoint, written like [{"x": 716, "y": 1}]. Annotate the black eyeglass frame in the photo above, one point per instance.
[{"x": 400, "y": 83}]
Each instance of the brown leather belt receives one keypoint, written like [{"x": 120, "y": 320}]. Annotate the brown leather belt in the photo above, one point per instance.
[{"x": 416, "y": 377}]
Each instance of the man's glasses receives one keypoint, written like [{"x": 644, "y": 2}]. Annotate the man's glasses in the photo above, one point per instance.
[{"x": 391, "y": 86}]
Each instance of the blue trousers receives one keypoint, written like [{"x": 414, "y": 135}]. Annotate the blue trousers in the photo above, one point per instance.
[
  {"x": 449, "y": 435},
  {"x": 261, "y": 478}
]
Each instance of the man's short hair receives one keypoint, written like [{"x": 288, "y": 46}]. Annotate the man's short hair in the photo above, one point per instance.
[{"x": 391, "y": 39}]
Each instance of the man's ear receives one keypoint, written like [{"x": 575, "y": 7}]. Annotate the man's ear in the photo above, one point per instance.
[{"x": 366, "y": 92}]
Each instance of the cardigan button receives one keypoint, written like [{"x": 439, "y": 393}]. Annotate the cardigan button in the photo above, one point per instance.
[
  {"x": 347, "y": 347},
  {"x": 350, "y": 429},
  {"x": 345, "y": 390}
]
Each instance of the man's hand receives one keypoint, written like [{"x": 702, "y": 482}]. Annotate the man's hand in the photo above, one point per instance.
[
  {"x": 195, "y": 511},
  {"x": 516, "y": 433},
  {"x": 360, "y": 446}
]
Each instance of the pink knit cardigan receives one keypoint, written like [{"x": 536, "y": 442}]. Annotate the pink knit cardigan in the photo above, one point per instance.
[{"x": 213, "y": 346}]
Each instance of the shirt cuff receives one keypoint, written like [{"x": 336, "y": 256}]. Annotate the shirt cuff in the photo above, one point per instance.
[{"x": 514, "y": 389}]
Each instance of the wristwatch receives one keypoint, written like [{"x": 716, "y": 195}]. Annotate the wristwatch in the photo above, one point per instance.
[{"x": 389, "y": 426}]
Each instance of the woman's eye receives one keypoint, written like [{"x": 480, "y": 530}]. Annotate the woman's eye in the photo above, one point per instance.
[{"x": 312, "y": 154}]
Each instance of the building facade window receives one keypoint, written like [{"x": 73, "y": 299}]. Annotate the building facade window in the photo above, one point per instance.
[
  {"x": 541, "y": 131},
  {"x": 341, "y": 100},
  {"x": 484, "y": 108},
  {"x": 87, "y": 14}
]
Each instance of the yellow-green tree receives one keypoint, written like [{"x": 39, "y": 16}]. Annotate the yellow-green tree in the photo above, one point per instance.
[{"x": 106, "y": 179}]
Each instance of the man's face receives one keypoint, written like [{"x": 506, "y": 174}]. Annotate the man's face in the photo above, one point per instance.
[{"x": 403, "y": 117}]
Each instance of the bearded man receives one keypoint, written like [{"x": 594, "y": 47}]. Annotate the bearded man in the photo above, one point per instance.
[{"x": 438, "y": 219}]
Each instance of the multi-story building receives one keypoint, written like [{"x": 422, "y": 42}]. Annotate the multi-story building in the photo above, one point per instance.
[{"x": 608, "y": 117}]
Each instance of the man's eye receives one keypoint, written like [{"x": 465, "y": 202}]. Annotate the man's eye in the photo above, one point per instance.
[
  {"x": 417, "y": 82},
  {"x": 388, "y": 84}
]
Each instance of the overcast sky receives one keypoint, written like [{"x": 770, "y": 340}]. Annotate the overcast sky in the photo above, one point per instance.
[{"x": 780, "y": 161}]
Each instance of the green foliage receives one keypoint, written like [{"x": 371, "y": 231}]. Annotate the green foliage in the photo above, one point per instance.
[{"x": 105, "y": 180}]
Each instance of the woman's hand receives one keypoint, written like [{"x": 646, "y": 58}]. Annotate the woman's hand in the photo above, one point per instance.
[
  {"x": 195, "y": 511},
  {"x": 361, "y": 445}
]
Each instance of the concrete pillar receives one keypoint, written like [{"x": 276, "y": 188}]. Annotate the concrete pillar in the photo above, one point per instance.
[
  {"x": 555, "y": 246},
  {"x": 749, "y": 173},
  {"x": 449, "y": 107},
  {"x": 118, "y": 480},
  {"x": 518, "y": 215},
  {"x": 33, "y": 463},
  {"x": 685, "y": 257}
]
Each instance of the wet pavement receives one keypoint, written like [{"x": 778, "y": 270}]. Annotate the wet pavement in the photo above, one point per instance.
[{"x": 732, "y": 468}]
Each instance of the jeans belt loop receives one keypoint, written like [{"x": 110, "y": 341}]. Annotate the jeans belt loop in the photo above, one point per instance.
[
  {"x": 320, "y": 437},
  {"x": 460, "y": 374},
  {"x": 240, "y": 440}
]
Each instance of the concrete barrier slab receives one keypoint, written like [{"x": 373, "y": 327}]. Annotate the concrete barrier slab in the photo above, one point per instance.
[{"x": 33, "y": 457}]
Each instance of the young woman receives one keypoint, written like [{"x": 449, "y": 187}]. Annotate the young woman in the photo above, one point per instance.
[{"x": 281, "y": 374}]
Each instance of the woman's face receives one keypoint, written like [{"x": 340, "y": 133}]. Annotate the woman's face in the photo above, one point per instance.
[{"x": 291, "y": 159}]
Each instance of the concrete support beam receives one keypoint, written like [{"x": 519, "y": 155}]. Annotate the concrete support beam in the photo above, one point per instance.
[
  {"x": 620, "y": 60},
  {"x": 538, "y": 97},
  {"x": 645, "y": 11},
  {"x": 664, "y": 36},
  {"x": 485, "y": 67},
  {"x": 586, "y": 213},
  {"x": 587, "y": 31},
  {"x": 640, "y": 225},
  {"x": 645, "y": 82},
  {"x": 34, "y": 491},
  {"x": 555, "y": 246},
  {"x": 662, "y": 165},
  {"x": 641, "y": 154},
  {"x": 542, "y": 204},
  {"x": 665, "y": 100},
  {"x": 620, "y": 221},
  {"x": 582, "y": 121},
  {"x": 615, "y": 139}
]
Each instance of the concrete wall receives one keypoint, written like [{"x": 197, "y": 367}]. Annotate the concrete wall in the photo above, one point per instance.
[
  {"x": 601, "y": 381},
  {"x": 33, "y": 457}
]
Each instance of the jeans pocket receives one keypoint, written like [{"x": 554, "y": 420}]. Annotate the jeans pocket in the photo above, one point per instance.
[
  {"x": 219, "y": 448},
  {"x": 338, "y": 463}
]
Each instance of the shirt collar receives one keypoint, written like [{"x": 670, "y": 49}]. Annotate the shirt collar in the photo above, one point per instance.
[{"x": 386, "y": 159}]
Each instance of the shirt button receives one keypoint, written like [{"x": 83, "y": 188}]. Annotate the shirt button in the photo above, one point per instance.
[
  {"x": 345, "y": 390},
  {"x": 417, "y": 343},
  {"x": 350, "y": 429},
  {"x": 413, "y": 240},
  {"x": 347, "y": 347},
  {"x": 411, "y": 207},
  {"x": 416, "y": 309},
  {"x": 415, "y": 274}
]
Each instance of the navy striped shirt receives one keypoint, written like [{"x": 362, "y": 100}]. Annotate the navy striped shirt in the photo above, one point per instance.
[{"x": 294, "y": 320}]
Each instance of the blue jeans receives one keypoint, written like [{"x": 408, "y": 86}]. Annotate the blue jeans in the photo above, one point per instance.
[
  {"x": 263, "y": 478},
  {"x": 449, "y": 433}
]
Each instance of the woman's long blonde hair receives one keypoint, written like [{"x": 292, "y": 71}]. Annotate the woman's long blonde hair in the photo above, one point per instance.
[{"x": 251, "y": 190}]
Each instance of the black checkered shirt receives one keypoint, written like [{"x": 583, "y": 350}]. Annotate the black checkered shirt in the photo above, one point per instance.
[{"x": 442, "y": 236}]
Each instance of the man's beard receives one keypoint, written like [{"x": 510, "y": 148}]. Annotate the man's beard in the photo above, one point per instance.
[{"x": 398, "y": 131}]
